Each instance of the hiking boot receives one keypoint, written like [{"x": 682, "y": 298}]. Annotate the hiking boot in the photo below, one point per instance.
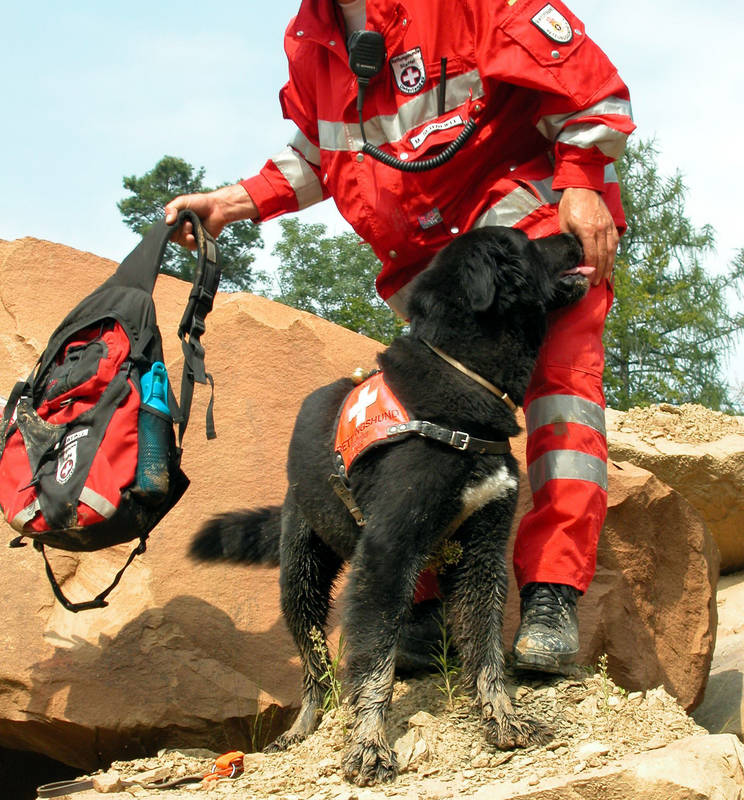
[{"x": 548, "y": 637}]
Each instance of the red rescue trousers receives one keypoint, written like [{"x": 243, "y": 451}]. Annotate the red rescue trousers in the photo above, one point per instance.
[{"x": 566, "y": 448}]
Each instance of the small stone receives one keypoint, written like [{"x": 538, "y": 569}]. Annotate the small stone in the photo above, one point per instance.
[
  {"x": 420, "y": 719},
  {"x": 533, "y": 781},
  {"x": 253, "y": 760},
  {"x": 107, "y": 783},
  {"x": 656, "y": 743}
]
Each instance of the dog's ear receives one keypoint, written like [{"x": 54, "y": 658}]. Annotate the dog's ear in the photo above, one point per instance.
[
  {"x": 479, "y": 279},
  {"x": 493, "y": 271}
]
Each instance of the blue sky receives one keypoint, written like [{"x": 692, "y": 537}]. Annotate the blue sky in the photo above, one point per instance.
[{"x": 95, "y": 91}]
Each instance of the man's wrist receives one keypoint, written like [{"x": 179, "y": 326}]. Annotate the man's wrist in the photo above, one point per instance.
[{"x": 236, "y": 203}]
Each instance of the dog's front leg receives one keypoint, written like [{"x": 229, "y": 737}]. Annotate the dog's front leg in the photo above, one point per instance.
[{"x": 476, "y": 593}]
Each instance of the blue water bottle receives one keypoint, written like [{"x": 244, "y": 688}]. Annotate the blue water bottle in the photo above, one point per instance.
[{"x": 155, "y": 431}]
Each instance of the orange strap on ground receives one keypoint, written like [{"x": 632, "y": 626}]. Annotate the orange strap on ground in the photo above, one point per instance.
[{"x": 228, "y": 765}]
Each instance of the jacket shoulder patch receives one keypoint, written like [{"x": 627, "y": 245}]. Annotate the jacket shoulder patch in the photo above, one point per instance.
[{"x": 553, "y": 24}]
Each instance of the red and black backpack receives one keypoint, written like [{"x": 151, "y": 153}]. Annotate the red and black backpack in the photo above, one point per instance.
[{"x": 88, "y": 450}]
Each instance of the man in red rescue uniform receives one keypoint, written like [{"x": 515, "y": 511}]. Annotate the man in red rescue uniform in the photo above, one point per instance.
[{"x": 552, "y": 115}]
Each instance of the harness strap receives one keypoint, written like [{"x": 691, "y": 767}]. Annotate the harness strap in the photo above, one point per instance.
[
  {"x": 340, "y": 485},
  {"x": 457, "y": 439}
]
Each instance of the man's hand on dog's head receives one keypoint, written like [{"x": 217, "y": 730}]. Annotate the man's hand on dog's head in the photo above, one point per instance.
[{"x": 583, "y": 212}]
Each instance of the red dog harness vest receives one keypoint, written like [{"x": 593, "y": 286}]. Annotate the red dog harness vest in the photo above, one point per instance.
[
  {"x": 372, "y": 415},
  {"x": 369, "y": 411}
]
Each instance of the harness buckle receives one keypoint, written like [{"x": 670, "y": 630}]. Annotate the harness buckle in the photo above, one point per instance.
[{"x": 460, "y": 440}]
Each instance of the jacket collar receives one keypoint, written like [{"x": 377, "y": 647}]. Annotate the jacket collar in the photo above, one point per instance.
[{"x": 321, "y": 21}]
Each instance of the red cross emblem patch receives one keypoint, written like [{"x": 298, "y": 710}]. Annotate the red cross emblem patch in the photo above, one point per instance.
[{"x": 409, "y": 71}]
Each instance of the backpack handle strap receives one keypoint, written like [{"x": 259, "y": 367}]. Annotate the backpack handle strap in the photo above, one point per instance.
[
  {"x": 192, "y": 326},
  {"x": 141, "y": 267},
  {"x": 99, "y": 601}
]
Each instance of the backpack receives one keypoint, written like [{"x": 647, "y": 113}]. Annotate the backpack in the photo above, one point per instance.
[{"x": 88, "y": 451}]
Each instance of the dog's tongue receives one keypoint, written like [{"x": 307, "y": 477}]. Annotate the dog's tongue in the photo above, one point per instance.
[{"x": 584, "y": 270}]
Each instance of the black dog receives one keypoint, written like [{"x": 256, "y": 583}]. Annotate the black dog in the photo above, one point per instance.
[{"x": 483, "y": 302}]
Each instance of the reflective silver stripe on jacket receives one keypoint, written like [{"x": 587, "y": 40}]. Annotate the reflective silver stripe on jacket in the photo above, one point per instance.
[
  {"x": 341, "y": 136},
  {"x": 611, "y": 142},
  {"x": 558, "y": 408},
  {"x": 300, "y": 176},
  {"x": 305, "y": 148},
  {"x": 567, "y": 465},
  {"x": 511, "y": 209}
]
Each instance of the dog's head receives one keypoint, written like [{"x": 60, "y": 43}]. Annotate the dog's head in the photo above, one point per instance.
[
  {"x": 492, "y": 283},
  {"x": 495, "y": 272}
]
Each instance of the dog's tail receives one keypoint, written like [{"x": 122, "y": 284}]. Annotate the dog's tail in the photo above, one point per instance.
[{"x": 245, "y": 537}]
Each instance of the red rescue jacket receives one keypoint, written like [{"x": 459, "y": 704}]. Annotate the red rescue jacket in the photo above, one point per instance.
[{"x": 551, "y": 109}]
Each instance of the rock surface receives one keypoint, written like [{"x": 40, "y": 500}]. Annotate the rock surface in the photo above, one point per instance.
[
  {"x": 198, "y": 655},
  {"x": 698, "y": 452}
]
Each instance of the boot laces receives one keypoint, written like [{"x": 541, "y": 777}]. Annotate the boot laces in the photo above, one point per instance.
[{"x": 548, "y": 604}]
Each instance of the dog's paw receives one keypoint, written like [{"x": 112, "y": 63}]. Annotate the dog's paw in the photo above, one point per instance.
[
  {"x": 370, "y": 762},
  {"x": 507, "y": 732}
]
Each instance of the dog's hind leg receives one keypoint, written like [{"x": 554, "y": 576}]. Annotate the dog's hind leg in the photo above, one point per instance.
[
  {"x": 475, "y": 591},
  {"x": 378, "y": 599},
  {"x": 308, "y": 570}
]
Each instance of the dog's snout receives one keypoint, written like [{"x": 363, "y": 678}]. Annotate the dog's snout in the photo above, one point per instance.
[{"x": 562, "y": 251}]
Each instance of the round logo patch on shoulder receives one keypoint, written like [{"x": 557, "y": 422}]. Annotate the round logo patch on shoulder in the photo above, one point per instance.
[{"x": 553, "y": 24}]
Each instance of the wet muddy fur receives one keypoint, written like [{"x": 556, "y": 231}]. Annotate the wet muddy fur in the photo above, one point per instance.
[{"x": 483, "y": 301}]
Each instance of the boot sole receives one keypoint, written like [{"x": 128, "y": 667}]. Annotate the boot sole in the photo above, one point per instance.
[{"x": 539, "y": 662}]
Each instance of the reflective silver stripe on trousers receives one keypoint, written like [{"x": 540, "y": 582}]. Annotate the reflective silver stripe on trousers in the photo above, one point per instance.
[
  {"x": 97, "y": 502},
  {"x": 567, "y": 465},
  {"x": 388, "y": 128},
  {"x": 300, "y": 176},
  {"x": 558, "y": 408}
]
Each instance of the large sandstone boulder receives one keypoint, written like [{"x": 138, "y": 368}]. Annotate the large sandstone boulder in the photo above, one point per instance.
[
  {"x": 722, "y": 709},
  {"x": 698, "y": 452},
  {"x": 198, "y": 655}
]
